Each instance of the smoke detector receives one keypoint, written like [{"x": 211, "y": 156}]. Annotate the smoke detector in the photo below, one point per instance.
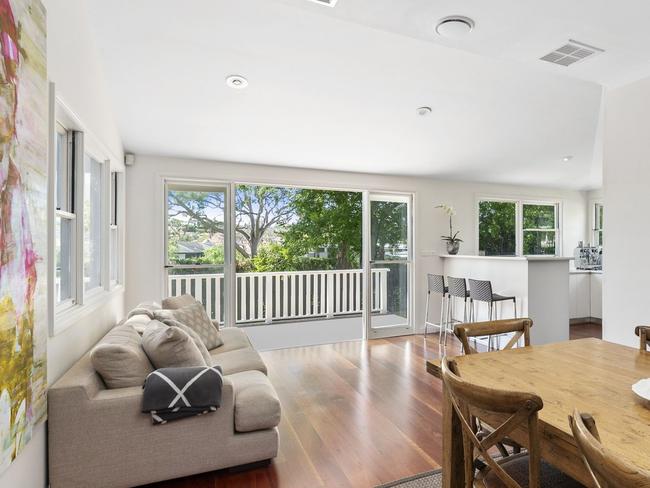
[
  {"x": 423, "y": 111},
  {"x": 454, "y": 26},
  {"x": 572, "y": 52},
  {"x": 327, "y": 3}
]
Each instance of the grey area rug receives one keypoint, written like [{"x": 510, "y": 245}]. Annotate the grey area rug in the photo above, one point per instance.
[{"x": 430, "y": 479}]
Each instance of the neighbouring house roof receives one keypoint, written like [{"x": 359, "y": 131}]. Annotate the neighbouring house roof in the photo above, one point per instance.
[{"x": 191, "y": 247}]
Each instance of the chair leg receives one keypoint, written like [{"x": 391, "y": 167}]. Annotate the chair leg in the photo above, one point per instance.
[
  {"x": 426, "y": 314},
  {"x": 442, "y": 312}
]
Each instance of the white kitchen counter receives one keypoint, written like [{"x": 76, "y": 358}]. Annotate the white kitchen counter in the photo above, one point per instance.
[{"x": 541, "y": 285}]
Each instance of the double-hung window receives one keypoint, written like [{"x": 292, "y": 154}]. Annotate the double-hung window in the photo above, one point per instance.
[
  {"x": 114, "y": 234},
  {"x": 65, "y": 217},
  {"x": 93, "y": 224},
  {"x": 517, "y": 227},
  {"x": 539, "y": 229},
  {"x": 598, "y": 224}
]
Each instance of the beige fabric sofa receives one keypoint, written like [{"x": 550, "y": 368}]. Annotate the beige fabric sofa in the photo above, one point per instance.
[{"x": 98, "y": 437}]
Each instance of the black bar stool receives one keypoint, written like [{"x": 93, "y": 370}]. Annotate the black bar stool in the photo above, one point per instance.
[
  {"x": 481, "y": 291},
  {"x": 436, "y": 284},
  {"x": 457, "y": 289}
]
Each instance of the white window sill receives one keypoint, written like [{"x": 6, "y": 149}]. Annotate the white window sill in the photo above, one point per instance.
[{"x": 72, "y": 314}]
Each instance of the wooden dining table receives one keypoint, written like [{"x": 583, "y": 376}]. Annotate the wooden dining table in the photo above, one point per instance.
[{"x": 592, "y": 375}]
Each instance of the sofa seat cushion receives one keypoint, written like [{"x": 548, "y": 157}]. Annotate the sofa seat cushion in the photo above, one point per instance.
[
  {"x": 257, "y": 406},
  {"x": 119, "y": 358},
  {"x": 239, "y": 360},
  {"x": 233, "y": 338}
]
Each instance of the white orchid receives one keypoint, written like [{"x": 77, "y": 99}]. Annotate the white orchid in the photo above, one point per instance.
[
  {"x": 450, "y": 212},
  {"x": 448, "y": 209}
]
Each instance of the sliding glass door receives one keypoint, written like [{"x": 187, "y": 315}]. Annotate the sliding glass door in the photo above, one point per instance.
[
  {"x": 389, "y": 249},
  {"x": 197, "y": 243},
  {"x": 261, "y": 255}
]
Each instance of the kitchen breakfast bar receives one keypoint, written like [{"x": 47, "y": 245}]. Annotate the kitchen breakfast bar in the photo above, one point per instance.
[{"x": 540, "y": 285}]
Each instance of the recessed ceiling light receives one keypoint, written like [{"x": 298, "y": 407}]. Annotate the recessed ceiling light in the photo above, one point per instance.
[
  {"x": 566, "y": 159},
  {"x": 422, "y": 111},
  {"x": 455, "y": 26},
  {"x": 237, "y": 82}
]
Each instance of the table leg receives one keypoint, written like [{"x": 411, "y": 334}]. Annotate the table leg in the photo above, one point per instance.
[{"x": 453, "y": 475}]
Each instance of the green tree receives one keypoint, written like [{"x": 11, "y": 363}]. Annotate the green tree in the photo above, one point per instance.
[
  {"x": 497, "y": 228},
  {"x": 389, "y": 227},
  {"x": 329, "y": 220},
  {"x": 197, "y": 215}
]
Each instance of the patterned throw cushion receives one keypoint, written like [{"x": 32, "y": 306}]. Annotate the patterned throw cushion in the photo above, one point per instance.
[
  {"x": 195, "y": 317},
  {"x": 170, "y": 347}
]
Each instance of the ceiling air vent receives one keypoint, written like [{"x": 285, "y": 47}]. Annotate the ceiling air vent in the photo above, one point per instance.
[
  {"x": 327, "y": 3},
  {"x": 571, "y": 53}
]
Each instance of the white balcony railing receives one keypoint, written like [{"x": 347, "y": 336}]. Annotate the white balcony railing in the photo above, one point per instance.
[{"x": 269, "y": 297}]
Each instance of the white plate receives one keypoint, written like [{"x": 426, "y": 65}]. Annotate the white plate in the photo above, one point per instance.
[{"x": 642, "y": 388}]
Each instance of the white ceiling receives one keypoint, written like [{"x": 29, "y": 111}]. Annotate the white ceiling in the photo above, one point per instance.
[{"x": 338, "y": 88}]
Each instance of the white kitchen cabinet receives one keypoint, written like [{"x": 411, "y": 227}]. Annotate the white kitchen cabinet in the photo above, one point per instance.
[
  {"x": 585, "y": 295},
  {"x": 579, "y": 295},
  {"x": 596, "y": 285}
]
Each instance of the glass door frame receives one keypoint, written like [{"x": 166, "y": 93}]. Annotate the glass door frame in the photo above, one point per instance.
[
  {"x": 228, "y": 240},
  {"x": 406, "y": 328}
]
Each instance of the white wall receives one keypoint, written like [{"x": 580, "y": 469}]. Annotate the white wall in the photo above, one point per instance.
[
  {"x": 626, "y": 180},
  {"x": 144, "y": 193},
  {"x": 73, "y": 66}
]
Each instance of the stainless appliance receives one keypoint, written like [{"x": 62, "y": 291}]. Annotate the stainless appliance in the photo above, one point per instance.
[{"x": 588, "y": 257}]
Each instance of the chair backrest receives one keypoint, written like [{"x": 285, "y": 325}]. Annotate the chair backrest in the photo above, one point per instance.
[
  {"x": 457, "y": 287},
  {"x": 472, "y": 401},
  {"x": 643, "y": 331},
  {"x": 480, "y": 290},
  {"x": 520, "y": 327},
  {"x": 606, "y": 469},
  {"x": 436, "y": 284}
]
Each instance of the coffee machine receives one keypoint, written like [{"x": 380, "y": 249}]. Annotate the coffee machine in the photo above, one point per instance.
[{"x": 588, "y": 257}]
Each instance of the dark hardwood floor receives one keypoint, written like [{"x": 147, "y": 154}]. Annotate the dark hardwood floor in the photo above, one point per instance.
[{"x": 354, "y": 414}]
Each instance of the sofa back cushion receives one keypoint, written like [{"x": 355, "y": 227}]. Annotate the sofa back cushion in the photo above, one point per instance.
[
  {"x": 170, "y": 347},
  {"x": 196, "y": 318},
  {"x": 119, "y": 358},
  {"x": 172, "y": 303}
]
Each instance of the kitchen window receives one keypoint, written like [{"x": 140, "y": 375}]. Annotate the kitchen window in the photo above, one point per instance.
[
  {"x": 497, "y": 228},
  {"x": 598, "y": 224},
  {"x": 517, "y": 227},
  {"x": 539, "y": 229}
]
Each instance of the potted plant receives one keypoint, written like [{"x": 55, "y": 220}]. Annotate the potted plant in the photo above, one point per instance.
[{"x": 452, "y": 240}]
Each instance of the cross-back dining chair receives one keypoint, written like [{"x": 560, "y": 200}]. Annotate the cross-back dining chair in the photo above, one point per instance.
[
  {"x": 515, "y": 410},
  {"x": 643, "y": 331},
  {"x": 607, "y": 469},
  {"x": 519, "y": 327}
]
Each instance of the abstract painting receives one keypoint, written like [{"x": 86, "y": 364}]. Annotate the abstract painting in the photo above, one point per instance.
[{"x": 23, "y": 223}]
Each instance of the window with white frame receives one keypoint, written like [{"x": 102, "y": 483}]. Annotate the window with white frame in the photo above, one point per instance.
[
  {"x": 516, "y": 227},
  {"x": 65, "y": 216},
  {"x": 114, "y": 234},
  {"x": 539, "y": 229},
  {"x": 598, "y": 224},
  {"x": 93, "y": 223}
]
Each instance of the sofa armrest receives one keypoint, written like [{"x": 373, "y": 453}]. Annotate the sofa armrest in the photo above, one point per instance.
[{"x": 108, "y": 436}]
